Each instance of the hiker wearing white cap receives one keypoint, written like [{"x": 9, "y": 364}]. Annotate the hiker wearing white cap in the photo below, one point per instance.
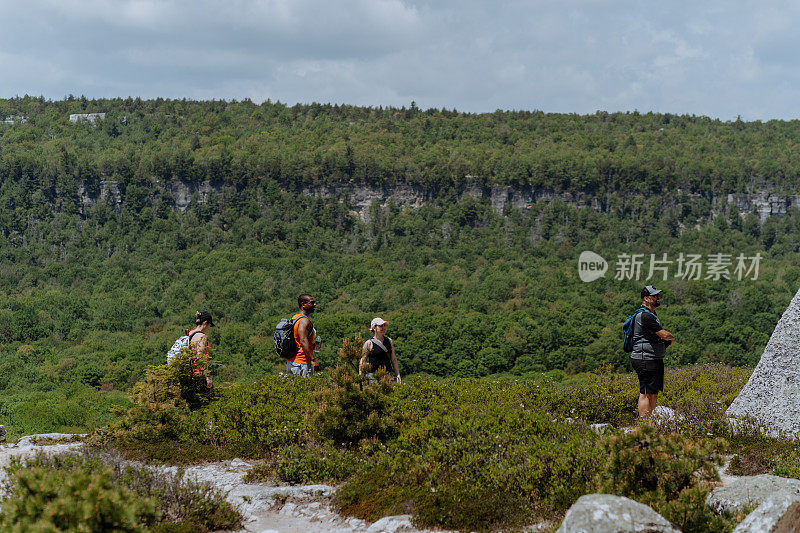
[
  {"x": 650, "y": 342},
  {"x": 378, "y": 352}
]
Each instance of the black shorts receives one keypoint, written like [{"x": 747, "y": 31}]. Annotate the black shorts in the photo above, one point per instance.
[{"x": 651, "y": 375}]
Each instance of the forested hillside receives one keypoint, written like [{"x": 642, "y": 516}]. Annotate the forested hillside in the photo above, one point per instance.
[{"x": 93, "y": 289}]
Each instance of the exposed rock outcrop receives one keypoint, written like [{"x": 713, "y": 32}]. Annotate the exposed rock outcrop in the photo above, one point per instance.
[
  {"x": 770, "y": 395},
  {"x": 780, "y": 512},
  {"x": 605, "y": 513},
  {"x": 361, "y": 195},
  {"x": 750, "y": 491}
]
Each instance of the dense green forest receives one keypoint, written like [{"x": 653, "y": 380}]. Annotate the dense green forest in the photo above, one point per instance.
[
  {"x": 90, "y": 294},
  {"x": 242, "y": 143}
]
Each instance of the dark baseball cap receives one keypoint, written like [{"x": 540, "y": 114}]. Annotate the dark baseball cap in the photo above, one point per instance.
[
  {"x": 650, "y": 291},
  {"x": 205, "y": 316}
]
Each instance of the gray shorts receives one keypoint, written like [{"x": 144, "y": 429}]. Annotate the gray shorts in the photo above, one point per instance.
[{"x": 298, "y": 369}]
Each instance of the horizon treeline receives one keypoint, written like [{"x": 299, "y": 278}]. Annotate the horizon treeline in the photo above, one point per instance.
[
  {"x": 92, "y": 294},
  {"x": 239, "y": 143}
]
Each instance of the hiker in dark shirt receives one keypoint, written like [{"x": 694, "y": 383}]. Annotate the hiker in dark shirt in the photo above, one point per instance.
[
  {"x": 378, "y": 352},
  {"x": 650, "y": 342}
]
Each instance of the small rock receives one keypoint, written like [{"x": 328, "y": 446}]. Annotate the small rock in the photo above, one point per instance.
[
  {"x": 25, "y": 442},
  {"x": 30, "y": 440},
  {"x": 605, "y": 513},
  {"x": 238, "y": 463},
  {"x": 392, "y": 524},
  {"x": 288, "y": 509},
  {"x": 355, "y": 523},
  {"x": 665, "y": 414},
  {"x": 782, "y": 508},
  {"x": 600, "y": 429},
  {"x": 749, "y": 491}
]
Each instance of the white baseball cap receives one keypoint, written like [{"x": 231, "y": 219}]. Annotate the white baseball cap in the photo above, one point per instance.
[{"x": 377, "y": 321}]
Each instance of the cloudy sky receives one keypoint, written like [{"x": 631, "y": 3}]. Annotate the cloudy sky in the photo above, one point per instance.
[{"x": 715, "y": 58}]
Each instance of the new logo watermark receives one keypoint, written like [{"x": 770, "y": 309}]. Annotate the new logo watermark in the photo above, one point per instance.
[{"x": 592, "y": 266}]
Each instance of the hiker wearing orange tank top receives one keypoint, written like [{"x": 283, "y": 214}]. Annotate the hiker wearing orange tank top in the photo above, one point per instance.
[{"x": 304, "y": 363}]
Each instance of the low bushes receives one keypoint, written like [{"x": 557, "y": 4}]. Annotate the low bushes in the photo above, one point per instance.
[
  {"x": 308, "y": 464},
  {"x": 80, "y": 499},
  {"x": 478, "y": 467},
  {"x": 668, "y": 471},
  {"x": 456, "y": 453},
  {"x": 100, "y": 492}
]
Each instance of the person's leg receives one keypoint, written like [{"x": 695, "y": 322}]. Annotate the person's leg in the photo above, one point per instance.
[
  {"x": 652, "y": 400},
  {"x": 293, "y": 369},
  {"x": 644, "y": 405}
]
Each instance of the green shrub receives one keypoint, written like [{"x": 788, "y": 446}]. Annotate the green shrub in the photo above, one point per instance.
[
  {"x": 162, "y": 406},
  {"x": 645, "y": 460},
  {"x": 354, "y": 408},
  {"x": 690, "y": 514},
  {"x": 601, "y": 398},
  {"x": 668, "y": 471},
  {"x": 787, "y": 460},
  {"x": 694, "y": 385},
  {"x": 142, "y": 425},
  {"x": 175, "y": 383},
  {"x": 757, "y": 453},
  {"x": 270, "y": 414},
  {"x": 476, "y": 467},
  {"x": 171, "y": 502},
  {"x": 308, "y": 464},
  {"x": 82, "y": 499},
  {"x": 473, "y": 454}
]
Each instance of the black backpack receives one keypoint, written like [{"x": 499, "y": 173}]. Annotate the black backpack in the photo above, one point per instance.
[
  {"x": 285, "y": 345},
  {"x": 627, "y": 329}
]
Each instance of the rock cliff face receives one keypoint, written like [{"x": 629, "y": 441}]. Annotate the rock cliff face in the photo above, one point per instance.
[{"x": 361, "y": 196}]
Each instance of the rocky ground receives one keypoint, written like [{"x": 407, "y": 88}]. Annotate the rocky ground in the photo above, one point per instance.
[
  {"x": 284, "y": 509},
  {"x": 267, "y": 508}
]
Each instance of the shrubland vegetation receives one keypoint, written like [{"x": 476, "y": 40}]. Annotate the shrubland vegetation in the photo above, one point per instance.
[
  {"x": 92, "y": 294},
  {"x": 467, "y": 454},
  {"x": 92, "y": 491}
]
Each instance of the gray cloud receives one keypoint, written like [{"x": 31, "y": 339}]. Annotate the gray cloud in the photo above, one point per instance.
[{"x": 716, "y": 58}]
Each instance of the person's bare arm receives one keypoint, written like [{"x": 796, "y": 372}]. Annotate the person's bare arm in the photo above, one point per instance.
[
  {"x": 394, "y": 363},
  {"x": 364, "y": 353},
  {"x": 202, "y": 346},
  {"x": 665, "y": 335},
  {"x": 305, "y": 341}
]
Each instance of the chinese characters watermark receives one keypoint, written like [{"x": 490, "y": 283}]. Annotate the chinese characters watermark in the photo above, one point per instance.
[{"x": 715, "y": 266}]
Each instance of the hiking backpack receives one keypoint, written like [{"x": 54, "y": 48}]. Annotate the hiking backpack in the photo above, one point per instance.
[
  {"x": 180, "y": 344},
  {"x": 285, "y": 345},
  {"x": 627, "y": 329}
]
